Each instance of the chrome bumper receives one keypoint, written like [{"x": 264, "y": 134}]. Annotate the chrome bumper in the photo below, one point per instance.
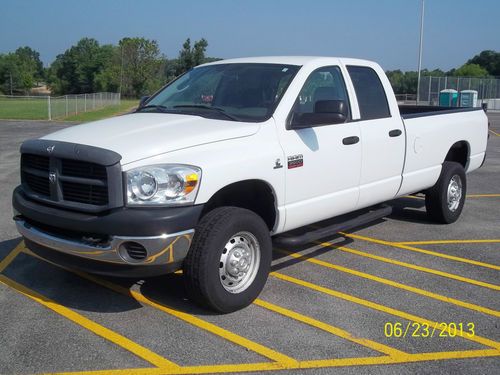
[{"x": 160, "y": 250}]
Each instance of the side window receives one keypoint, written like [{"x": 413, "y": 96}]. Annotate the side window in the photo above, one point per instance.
[
  {"x": 370, "y": 93},
  {"x": 324, "y": 83}
]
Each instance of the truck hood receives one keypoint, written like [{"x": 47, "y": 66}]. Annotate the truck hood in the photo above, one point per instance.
[{"x": 142, "y": 135}]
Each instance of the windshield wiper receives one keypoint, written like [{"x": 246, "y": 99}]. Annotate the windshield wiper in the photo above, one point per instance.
[
  {"x": 201, "y": 106},
  {"x": 160, "y": 108}
]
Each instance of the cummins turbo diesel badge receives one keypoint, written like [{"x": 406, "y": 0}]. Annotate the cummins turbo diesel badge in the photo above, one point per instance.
[{"x": 295, "y": 161}]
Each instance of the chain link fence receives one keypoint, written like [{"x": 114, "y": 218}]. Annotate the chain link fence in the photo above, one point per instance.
[
  {"x": 488, "y": 89},
  {"x": 50, "y": 107}
]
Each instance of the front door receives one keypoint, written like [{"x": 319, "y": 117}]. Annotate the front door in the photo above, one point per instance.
[{"x": 322, "y": 163}]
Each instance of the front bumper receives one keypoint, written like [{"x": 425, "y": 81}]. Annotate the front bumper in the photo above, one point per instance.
[{"x": 123, "y": 242}]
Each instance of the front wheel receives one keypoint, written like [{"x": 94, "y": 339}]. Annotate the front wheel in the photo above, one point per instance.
[
  {"x": 229, "y": 260},
  {"x": 445, "y": 200}
]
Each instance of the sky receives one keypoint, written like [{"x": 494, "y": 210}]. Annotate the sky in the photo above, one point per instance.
[{"x": 386, "y": 31}]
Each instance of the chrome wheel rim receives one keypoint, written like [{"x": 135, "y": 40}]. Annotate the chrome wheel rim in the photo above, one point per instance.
[
  {"x": 239, "y": 262},
  {"x": 454, "y": 193}
]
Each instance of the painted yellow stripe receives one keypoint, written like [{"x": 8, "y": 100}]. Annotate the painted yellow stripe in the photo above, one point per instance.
[
  {"x": 415, "y": 267},
  {"x": 404, "y": 359},
  {"x": 90, "y": 325},
  {"x": 319, "y": 363},
  {"x": 494, "y": 132},
  {"x": 394, "y": 284},
  {"x": 11, "y": 256},
  {"x": 379, "y": 307},
  {"x": 329, "y": 328},
  {"x": 283, "y": 360},
  {"x": 437, "y": 242},
  {"x": 423, "y": 251}
]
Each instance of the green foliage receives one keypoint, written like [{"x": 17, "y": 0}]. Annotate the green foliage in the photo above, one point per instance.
[
  {"x": 74, "y": 71},
  {"x": 20, "y": 70},
  {"x": 471, "y": 70},
  {"x": 142, "y": 65},
  {"x": 489, "y": 60}
]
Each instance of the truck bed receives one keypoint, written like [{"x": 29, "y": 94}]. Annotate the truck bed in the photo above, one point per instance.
[{"x": 413, "y": 111}]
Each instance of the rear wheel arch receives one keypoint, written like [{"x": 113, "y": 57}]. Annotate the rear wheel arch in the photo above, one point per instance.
[{"x": 459, "y": 152}]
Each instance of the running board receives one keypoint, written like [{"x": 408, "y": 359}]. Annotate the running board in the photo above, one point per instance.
[{"x": 331, "y": 230}]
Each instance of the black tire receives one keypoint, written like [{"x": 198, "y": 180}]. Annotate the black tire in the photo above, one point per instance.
[
  {"x": 436, "y": 198},
  {"x": 201, "y": 266}
]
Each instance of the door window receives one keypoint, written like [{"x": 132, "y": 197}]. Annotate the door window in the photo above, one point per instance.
[{"x": 324, "y": 83}]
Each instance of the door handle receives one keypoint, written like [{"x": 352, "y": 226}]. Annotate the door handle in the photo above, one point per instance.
[
  {"x": 350, "y": 140},
  {"x": 395, "y": 133}
]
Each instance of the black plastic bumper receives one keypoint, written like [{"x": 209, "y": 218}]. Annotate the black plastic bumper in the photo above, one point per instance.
[{"x": 151, "y": 221}]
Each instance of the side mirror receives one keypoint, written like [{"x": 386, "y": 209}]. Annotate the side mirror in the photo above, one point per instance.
[
  {"x": 143, "y": 100},
  {"x": 326, "y": 112}
]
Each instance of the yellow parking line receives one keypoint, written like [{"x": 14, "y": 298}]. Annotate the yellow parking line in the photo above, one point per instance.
[
  {"x": 90, "y": 325},
  {"x": 379, "y": 307},
  {"x": 394, "y": 284},
  {"x": 423, "y": 251},
  {"x": 282, "y": 359},
  {"x": 494, "y": 132},
  {"x": 406, "y": 359},
  {"x": 437, "y": 242},
  {"x": 329, "y": 328},
  {"x": 319, "y": 363},
  {"x": 11, "y": 256},
  {"x": 414, "y": 267}
]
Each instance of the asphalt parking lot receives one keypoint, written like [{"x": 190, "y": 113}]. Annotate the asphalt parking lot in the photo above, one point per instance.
[{"x": 397, "y": 296}]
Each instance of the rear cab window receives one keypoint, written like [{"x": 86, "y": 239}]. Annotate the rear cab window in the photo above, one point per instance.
[{"x": 370, "y": 93}]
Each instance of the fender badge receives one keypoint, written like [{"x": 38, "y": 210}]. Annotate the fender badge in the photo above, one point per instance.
[
  {"x": 277, "y": 164},
  {"x": 295, "y": 161}
]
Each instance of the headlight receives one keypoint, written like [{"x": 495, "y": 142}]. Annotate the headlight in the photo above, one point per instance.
[{"x": 166, "y": 184}]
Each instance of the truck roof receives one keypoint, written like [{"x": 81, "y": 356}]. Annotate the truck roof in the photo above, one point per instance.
[{"x": 291, "y": 60}]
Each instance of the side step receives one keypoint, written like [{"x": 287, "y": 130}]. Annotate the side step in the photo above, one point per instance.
[{"x": 331, "y": 230}]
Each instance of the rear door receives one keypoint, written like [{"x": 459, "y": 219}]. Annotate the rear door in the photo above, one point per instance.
[{"x": 382, "y": 135}]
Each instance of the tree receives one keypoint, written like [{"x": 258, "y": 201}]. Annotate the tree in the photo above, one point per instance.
[
  {"x": 189, "y": 57},
  {"x": 20, "y": 70},
  {"x": 143, "y": 66},
  {"x": 471, "y": 70},
  {"x": 489, "y": 60},
  {"x": 74, "y": 71}
]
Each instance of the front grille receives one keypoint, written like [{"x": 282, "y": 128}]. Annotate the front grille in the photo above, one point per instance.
[
  {"x": 77, "y": 168},
  {"x": 89, "y": 194},
  {"x": 73, "y": 181},
  {"x": 38, "y": 184},
  {"x": 37, "y": 162}
]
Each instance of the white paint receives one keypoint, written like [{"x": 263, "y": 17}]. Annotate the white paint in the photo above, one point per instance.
[{"x": 334, "y": 179}]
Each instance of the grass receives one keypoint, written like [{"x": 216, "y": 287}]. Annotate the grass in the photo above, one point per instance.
[
  {"x": 23, "y": 109},
  {"x": 36, "y": 109},
  {"x": 125, "y": 106}
]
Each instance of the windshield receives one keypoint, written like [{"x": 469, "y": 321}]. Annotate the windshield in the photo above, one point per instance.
[{"x": 241, "y": 92}]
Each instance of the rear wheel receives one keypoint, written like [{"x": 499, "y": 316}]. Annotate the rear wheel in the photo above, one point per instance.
[
  {"x": 445, "y": 200},
  {"x": 229, "y": 260}
]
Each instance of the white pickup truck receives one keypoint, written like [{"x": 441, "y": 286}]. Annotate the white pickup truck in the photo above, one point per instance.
[{"x": 206, "y": 171}]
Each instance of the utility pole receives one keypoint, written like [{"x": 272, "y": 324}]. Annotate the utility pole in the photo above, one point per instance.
[
  {"x": 10, "y": 83},
  {"x": 420, "y": 49},
  {"x": 121, "y": 70}
]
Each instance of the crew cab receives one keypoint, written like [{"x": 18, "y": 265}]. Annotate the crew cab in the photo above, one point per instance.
[{"x": 230, "y": 155}]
